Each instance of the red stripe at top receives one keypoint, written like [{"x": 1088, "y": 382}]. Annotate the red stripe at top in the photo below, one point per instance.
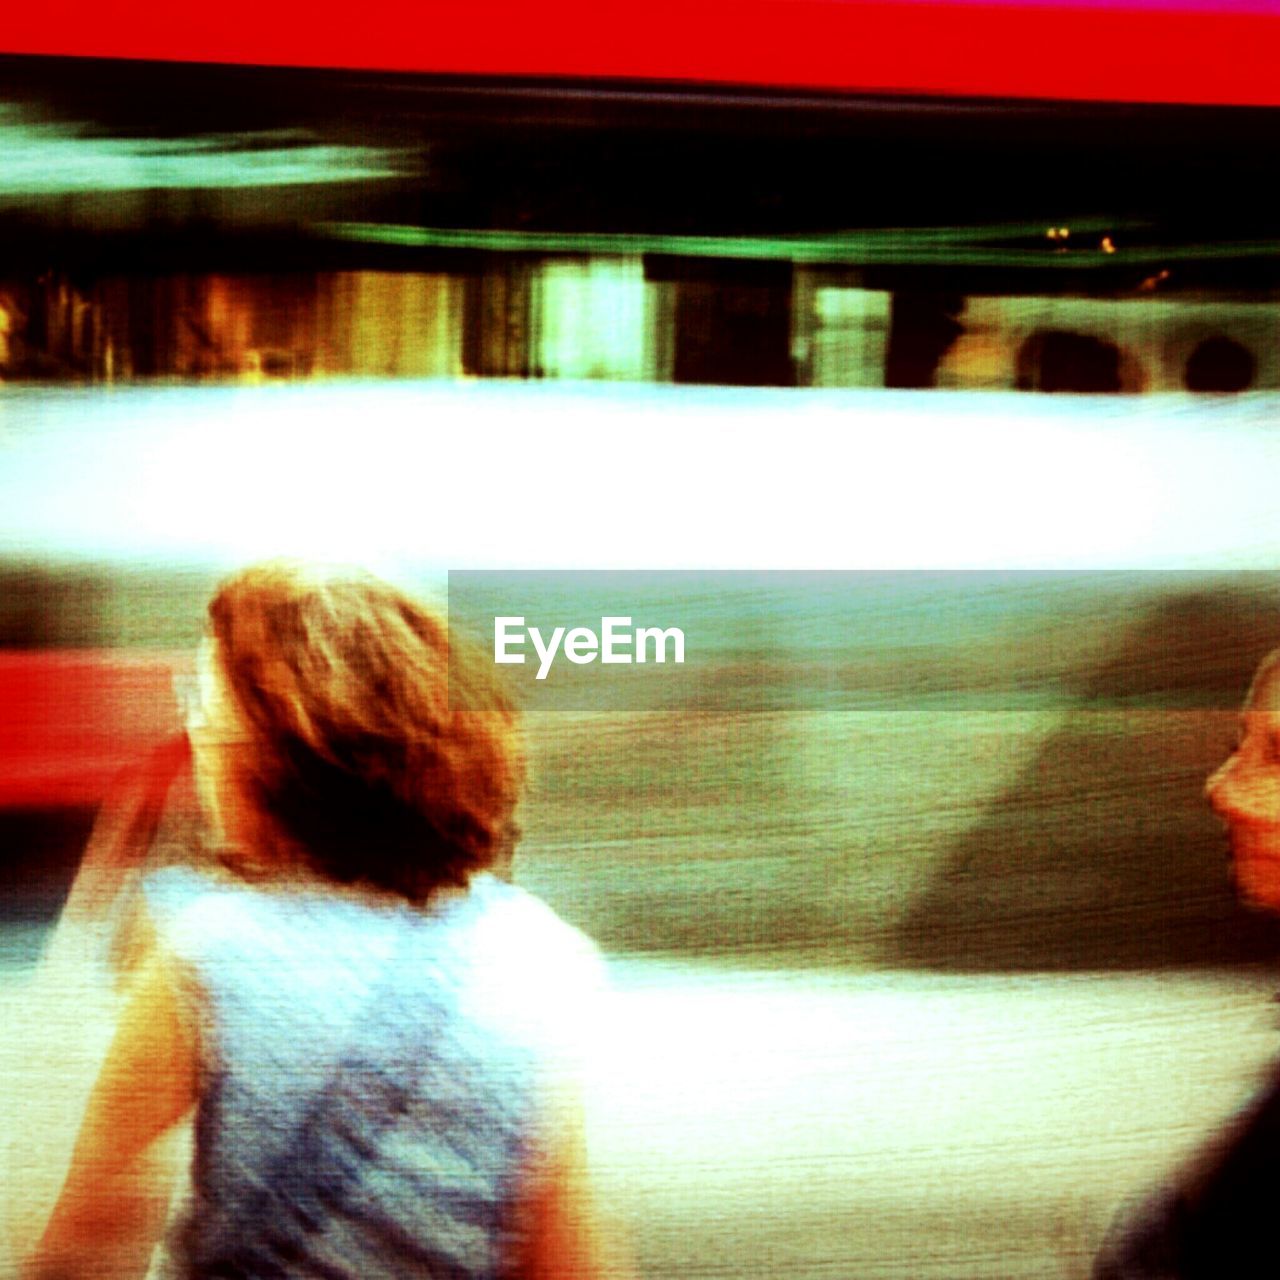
[{"x": 1164, "y": 52}]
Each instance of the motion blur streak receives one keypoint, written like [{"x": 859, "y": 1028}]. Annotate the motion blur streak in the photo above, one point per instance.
[
  {"x": 894, "y": 1125},
  {"x": 906, "y": 993},
  {"x": 56, "y": 159},
  {"x": 356, "y": 472}
]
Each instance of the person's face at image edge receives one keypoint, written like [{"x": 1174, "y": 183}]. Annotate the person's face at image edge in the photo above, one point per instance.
[{"x": 1245, "y": 792}]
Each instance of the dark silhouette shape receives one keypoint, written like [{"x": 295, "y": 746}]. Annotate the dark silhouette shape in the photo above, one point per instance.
[
  {"x": 44, "y": 847},
  {"x": 1101, "y": 852},
  {"x": 1060, "y": 360},
  {"x": 921, "y": 329},
  {"x": 1219, "y": 364},
  {"x": 732, "y": 321}
]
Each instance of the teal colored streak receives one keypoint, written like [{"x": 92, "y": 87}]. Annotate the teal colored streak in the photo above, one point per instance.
[
  {"x": 930, "y": 246},
  {"x": 58, "y": 159}
]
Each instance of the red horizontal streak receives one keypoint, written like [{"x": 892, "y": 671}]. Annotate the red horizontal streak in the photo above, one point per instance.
[
  {"x": 71, "y": 719},
  {"x": 949, "y": 49}
]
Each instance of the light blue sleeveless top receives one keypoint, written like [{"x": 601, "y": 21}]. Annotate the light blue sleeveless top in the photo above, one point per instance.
[{"x": 369, "y": 1073}]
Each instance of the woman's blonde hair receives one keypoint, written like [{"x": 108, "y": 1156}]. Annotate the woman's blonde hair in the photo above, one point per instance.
[{"x": 381, "y": 748}]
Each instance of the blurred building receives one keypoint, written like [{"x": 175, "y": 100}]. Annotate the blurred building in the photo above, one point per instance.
[
  {"x": 628, "y": 319},
  {"x": 196, "y": 223},
  {"x": 1197, "y": 343}
]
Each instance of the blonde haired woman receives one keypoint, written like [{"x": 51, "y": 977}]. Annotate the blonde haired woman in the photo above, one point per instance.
[{"x": 367, "y": 1026}]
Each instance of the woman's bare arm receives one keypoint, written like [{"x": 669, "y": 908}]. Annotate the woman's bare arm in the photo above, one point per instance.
[
  {"x": 110, "y": 1201},
  {"x": 567, "y": 1231},
  {"x": 61, "y": 1021}
]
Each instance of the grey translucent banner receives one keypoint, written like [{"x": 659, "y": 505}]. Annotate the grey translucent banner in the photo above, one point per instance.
[{"x": 746, "y": 641}]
